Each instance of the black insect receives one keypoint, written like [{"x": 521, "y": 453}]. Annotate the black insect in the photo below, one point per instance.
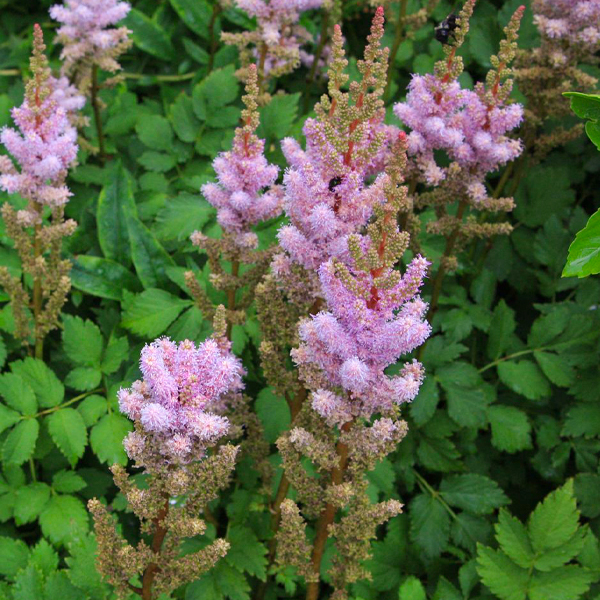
[
  {"x": 445, "y": 30},
  {"x": 334, "y": 183}
]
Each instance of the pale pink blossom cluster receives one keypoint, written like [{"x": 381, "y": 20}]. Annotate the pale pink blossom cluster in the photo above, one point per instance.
[
  {"x": 326, "y": 196},
  {"x": 44, "y": 146},
  {"x": 461, "y": 122},
  {"x": 87, "y": 31},
  {"x": 576, "y": 22},
  {"x": 239, "y": 196},
  {"x": 174, "y": 406},
  {"x": 65, "y": 95},
  {"x": 364, "y": 331}
]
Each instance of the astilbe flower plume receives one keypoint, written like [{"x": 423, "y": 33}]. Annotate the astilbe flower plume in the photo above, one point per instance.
[
  {"x": 327, "y": 197},
  {"x": 44, "y": 147},
  {"x": 276, "y": 43},
  {"x": 89, "y": 37},
  {"x": 173, "y": 406}
]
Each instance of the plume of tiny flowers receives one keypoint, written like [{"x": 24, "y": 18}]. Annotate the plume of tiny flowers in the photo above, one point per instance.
[
  {"x": 243, "y": 173},
  {"x": 276, "y": 43},
  {"x": 326, "y": 193},
  {"x": 174, "y": 406},
  {"x": 89, "y": 37},
  {"x": 43, "y": 147},
  {"x": 576, "y": 22},
  {"x": 373, "y": 316}
]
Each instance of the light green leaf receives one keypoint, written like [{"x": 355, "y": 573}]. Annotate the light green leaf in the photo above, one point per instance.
[
  {"x": 82, "y": 341},
  {"x": 151, "y": 312},
  {"x": 221, "y": 581},
  {"x": 218, "y": 89},
  {"x": 567, "y": 583},
  {"x": 511, "y": 430},
  {"x": 278, "y": 116},
  {"x": 107, "y": 436},
  {"x": 44, "y": 557},
  {"x": 83, "y": 379},
  {"x": 183, "y": 119},
  {"x": 584, "y": 252},
  {"x": 67, "y": 482},
  {"x": 92, "y": 408},
  {"x": 28, "y": 584},
  {"x": 472, "y": 492},
  {"x": 30, "y": 501},
  {"x": 13, "y": 556},
  {"x": 62, "y": 517},
  {"x": 412, "y": 589},
  {"x": 514, "y": 540},
  {"x": 20, "y": 442},
  {"x": 18, "y": 394},
  {"x": 246, "y": 553},
  {"x": 182, "y": 216},
  {"x": 58, "y": 586},
  {"x": 155, "y": 132},
  {"x": 157, "y": 161},
  {"x": 8, "y": 417},
  {"x": 67, "y": 429},
  {"x": 48, "y": 389},
  {"x": 115, "y": 353},
  {"x": 525, "y": 378},
  {"x": 274, "y": 413},
  {"x": 505, "y": 579}
]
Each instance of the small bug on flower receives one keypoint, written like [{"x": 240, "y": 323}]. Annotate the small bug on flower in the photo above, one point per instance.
[
  {"x": 445, "y": 30},
  {"x": 333, "y": 183}
]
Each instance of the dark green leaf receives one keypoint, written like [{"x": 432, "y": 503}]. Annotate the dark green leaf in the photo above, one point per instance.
[
  {"x": 148, "y": 35},
  {"x": 101, "y": 277}
]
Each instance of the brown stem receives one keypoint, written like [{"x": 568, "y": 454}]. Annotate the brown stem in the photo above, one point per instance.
[
  {"x": 98, "y": 115},
  {"x": 235, "y": 268},
  {"x": 160, "y": 531},
  {"x": 327, "y": 517},
  {"x": 211, "y": 36},
  {"x": 398, "y": 38},
  {"x": 317, "y": 57}
]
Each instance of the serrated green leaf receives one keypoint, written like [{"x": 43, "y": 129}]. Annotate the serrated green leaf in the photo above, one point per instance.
[
  {"x": 151, "y": 312},
  {"x": 18, "y": 394},
  {"x": 217, "y": 90},
  {"x": 82, "y": 341},
  {"x": 67, "y": 482},
  {"x": 274, "y": 413},
  {"x": 92, "y": 408},
  {"x": 156, "y": 161},
  {"x": 182, "y": 216},
  {"x": 67, "y": 429},
  {"x": 59, "y": 585},
  {"x": 475, "y": 493},
  {"x": 107, "y": 436},
  {"x": 62, "y": 517},
  {"x": 48, "y": 389},
  {"x": 525, "y": 378},
  {"x": 505, "y": 579},
  {"x": 587, "y": 492},
  {"x": 13, "y": 556},
  {"x": 511, "y": 430},
  {"x": 28, "y": 584},
  {"x": 412, "y": 589},
  {"x": 30, "y": 501},
  {"x": 83, "y": 379},
  {"x": 8, "y": 417},
  {"x": 183, "y": 119},
  {"x": 44, "y": 557},
  {"x": 583, "y": 420},
  {"x": 246, "y": 553},
  {"x": 567, "y": 583},
  {"x": 115, "y": 353},
  {"x": 148, "y": 36},
  {"x": 555, "y": 368},
  {"x": 196, "y": 14},
  {"x": 102, "y": 277},
  {"x": 423, "y": 407},
  {"x": 155, "y": 132},
  {"x": 277, "y": 117},
  {"x": 555, "y": 520},
  {"x": 20, "y": 442},
  {"x": 514, "y": 540},
  {"x": 501, "y": 330},
  {"x": 82, "y": 572},
  {"x": 429, "y": 525},
  {"x": 222, "y": 581},
  {"x": 551, "y": 559}
]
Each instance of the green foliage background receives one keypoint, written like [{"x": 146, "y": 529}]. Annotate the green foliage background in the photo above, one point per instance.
[{"x": 500, "y": 470}]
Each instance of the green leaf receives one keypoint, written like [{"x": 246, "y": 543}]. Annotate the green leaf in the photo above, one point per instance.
[
  {"x": 48, "y": 389},
  {"x": 63, "y": 516},
  {"x": 155, "y": 132},
  {"x": 151, "y": 312},
  {"x": 82, "y": 341},
  {"x": 30, "y": 501},
  {"x": 223, "y": 117},
  {"x": 514, "y": 540},
  {"x": 67, "y": 429},
  {"x": 501, "y": 330},
  {"x": 183, "y": 119},
  {"x": 196, "y": 14},
  {"x": 84, "y": 379},
  {"x": 475, "y": 493},
  {"x": 115, "y": 353},
  {"x": 199, "y": 54},
  {"x": 182, "y": 216},
  {"x": 81, "y": 560},
  {"x": 555, "y": 520},
  {"x": 221, "y": 581},
  {"x": 44, "y": 557},
  {"x": 429, "y": 525},
  {"x": 246, "y": 553},
  {"x": 18, "y": 394},
  {"x": 423, "y": 407},
  {"x": 67, "y": 482},
  {"x": 567, "y": 583},
  {"x": 13, "y": 556},
  {"x": 149, "y": 257},
  {"x": 592, "y": 129},
  {"x": 20, "y": 442},
  {"x": 116, "y": 201},
  {"x": 28, "y": 584},
  {"x": 156, "y": 161},
  {"x": 278, "y": 116},
  {"x": 58, "y": 586},
  {"x": 215, "y": 91},
  {"x": 584, "y": 252},
  {"x": 8, "y": 417},
  {"x": 467, "y": 394},
  {"x": 102, "y": 277},
  {"x": 583, "y": 420},
  {"x": 274, "y": 413},
  {"x": 551, "y": 559},
  {"x": 412, "y": 589},
  {"x": 511, "y": 430},
  {"x": 555, "y": 368},
  {"x": 587, "y": 491},
  {"x": 92, "y": 408},
  {"x": 505, "y": 579},
  {"x": 107, "y": 436},
  {"x": 149, "y": 36},
  {"x": 585, "y": 106},
  {"x": 525, "y": 378}
]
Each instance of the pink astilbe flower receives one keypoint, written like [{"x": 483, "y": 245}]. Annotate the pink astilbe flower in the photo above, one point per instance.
[
  {"x": 576, "y": 22},
  {"x": 66, "y": 96},
  {"x": 327, "y": 197},
  {"x": 87, "y": 32},
  {"x": 44, "y": 145},
  {"x": 243, "y": 173},
  {"x": 173, "y": 406}
]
